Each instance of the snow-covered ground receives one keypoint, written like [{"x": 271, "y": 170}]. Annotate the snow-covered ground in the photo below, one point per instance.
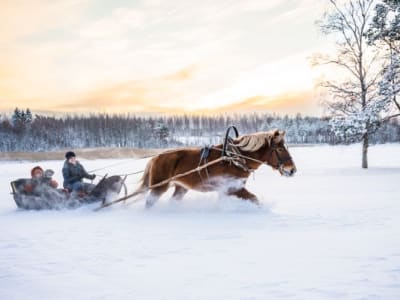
[{"x": 331, "y": 232}]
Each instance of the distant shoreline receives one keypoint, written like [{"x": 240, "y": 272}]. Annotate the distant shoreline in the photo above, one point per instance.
[
  {"x": 86, "y": 153},
  {"x": 94, "y": 153}
]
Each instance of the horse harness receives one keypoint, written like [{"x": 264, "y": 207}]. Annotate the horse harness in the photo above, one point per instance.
[
  {"x": 204, "y": 154},
  {"x": 229, "y": 151},
  {"x": 232, "y": 154}
]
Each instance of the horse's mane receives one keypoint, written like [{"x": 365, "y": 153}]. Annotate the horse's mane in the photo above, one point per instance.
[{"x": 255, "y": 141}]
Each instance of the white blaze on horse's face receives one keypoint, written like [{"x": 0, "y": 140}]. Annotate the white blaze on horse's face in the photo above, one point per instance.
[
  {"x": 279, "y": 156},
  {"x": 288, "y": 171},
  {"x": 286, "y": 165},
  {"x": 283, "y": 160}
]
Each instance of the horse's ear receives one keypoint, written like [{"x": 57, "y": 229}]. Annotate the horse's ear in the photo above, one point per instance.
[
  {"x": 269, "y": 139},
  {"x": 277, "y": 135},
  {"x": 272, "y": 135}
]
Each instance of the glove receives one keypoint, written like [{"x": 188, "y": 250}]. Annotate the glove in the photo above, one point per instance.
[{"x": 93, "y": 176}]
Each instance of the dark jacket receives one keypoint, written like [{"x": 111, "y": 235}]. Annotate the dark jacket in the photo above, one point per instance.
[{"x": 73, "y": 173}]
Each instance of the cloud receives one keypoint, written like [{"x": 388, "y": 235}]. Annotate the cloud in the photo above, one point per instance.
[
  {"x": 23, "y": 18},
  {"x": 287, "y": 103},
  {"x": 90, "y": 55},
  {"x": 161, "y": 94},
  {"x": 117, "y": 24}
]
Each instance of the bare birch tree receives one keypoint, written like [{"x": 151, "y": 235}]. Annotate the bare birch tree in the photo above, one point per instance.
[{"x": 352, "y": 102}]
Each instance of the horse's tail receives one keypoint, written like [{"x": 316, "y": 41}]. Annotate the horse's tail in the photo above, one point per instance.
[{"x": 145, "y": 180}]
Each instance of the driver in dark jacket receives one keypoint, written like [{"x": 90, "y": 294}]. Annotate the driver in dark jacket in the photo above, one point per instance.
[{"x": 73, "y": 173}]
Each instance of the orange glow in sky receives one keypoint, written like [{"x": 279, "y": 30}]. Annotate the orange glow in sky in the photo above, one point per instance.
[{"x": 156, "y": 56}]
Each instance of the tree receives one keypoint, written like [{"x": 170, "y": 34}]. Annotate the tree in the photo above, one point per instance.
[
  {"x": 353, "y": 103},
  {"x": 21, "y": 117},
  {"x": 28, "y": 116},
  {"x": 16, "y": 117},
  {"x": 161, "y": 133},
  {"x": 18, "y": 121},
  {"x": 384, "y": 33}
]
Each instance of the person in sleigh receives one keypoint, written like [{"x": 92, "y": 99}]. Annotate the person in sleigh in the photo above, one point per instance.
[
  {"x": 40, "y": 179},
  {"x": 74, "y": 173}
]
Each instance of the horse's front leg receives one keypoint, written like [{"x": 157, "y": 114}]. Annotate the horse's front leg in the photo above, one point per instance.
[
  {"x": 155, "y": 194},
  {"x": 179, "y": 192},
  {"x": 244, "y": 194}
]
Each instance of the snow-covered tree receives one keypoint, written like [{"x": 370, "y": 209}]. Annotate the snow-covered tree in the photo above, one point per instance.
[
  {"x": 28, "y": 116},
  {"x": 16, "y": 117},
  {"x": 385, "y": 25},
  {"x": 161, "y": 133},
  {"x": 21, "y": 117},
  {"x": 352, "y": 102},
  {"x": 384, "y": 33}
]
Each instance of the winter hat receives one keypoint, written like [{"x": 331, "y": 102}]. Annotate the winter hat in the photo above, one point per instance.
[
  {"x": 69, "y": 154},
  {"x": 35, "y": 169}
]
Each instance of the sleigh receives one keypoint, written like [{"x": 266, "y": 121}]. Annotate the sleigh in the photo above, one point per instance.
[{"x": 50, "y": 198}]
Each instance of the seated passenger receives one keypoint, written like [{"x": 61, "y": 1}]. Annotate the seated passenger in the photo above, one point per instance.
[
  {"x": 38, "y": 180},
  {"x": 73, "y": 173}
]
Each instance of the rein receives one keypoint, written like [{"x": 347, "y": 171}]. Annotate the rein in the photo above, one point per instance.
[
  {"x": 198, "y": 169},
  {"x": 241, "y": 156},
  {"x": 229, "y": 142},
  {"x": 166, "y": 181},
  {"x": 281, "y": 161},
  {"x": 233, "y": 156},
  {"x": 120, "y": 163}
]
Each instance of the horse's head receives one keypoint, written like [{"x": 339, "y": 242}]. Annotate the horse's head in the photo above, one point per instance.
[
  {"x": 277, "y": 154},
  {"x": 270, "y": 148}
]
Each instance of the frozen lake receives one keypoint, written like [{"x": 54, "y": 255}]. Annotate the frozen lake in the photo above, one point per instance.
[{"x": 331, "y": 232}]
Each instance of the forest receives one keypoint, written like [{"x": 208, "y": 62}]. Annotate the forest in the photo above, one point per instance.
[{"x": 26, "y": 131}]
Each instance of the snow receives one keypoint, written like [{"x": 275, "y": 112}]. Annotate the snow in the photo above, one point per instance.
[{"x": 330, "y": 232}]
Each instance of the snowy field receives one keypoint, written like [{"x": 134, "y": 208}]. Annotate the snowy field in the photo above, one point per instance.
[{"x": 331, "y": 232}]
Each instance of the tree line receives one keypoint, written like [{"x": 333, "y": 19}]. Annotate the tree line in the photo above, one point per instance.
[{"x": 24, "y": 131}]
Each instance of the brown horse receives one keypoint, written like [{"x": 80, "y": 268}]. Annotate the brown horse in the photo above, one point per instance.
[{"x": 247, "y": 151}]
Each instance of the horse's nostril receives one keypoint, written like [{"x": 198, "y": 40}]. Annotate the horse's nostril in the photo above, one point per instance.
[{"x": 292, "y": 171}]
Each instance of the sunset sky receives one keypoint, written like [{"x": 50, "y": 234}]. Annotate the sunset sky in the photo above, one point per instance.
[{"x": 154, "y": 56}]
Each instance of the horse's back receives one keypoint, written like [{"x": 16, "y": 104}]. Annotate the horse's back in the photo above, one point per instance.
[{"x": 173, "y": 158}]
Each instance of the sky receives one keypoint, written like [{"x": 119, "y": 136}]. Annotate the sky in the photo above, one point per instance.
[{"x": 160, "y": 57}]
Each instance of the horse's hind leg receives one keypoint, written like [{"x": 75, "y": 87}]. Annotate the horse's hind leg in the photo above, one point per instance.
[
  {"x": 244, "y": 194},
  {"x": 179, "y": 192},
  {"x": 155, "y": 194}
]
